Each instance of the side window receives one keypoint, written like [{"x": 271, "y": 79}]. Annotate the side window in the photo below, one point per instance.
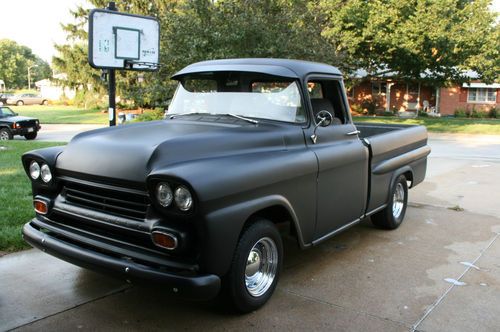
[
  {"x": 327, "y": 95},
  {"x": 315, "y": 89}
]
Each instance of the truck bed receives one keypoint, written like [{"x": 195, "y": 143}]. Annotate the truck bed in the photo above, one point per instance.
[{"x": 393, "y": 148}]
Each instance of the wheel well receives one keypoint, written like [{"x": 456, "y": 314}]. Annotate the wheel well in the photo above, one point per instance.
[
  {"x": 277, "y": 214},
  {"x": 409, "y": 177}
]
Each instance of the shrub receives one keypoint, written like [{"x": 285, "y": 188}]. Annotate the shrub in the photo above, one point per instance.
[
  {"x": 478, "y": 114},
  {"x": 461, "y": 113},
  {"x": 356, "y": 109},
  {"x": 493, "y": 113},
  {"x": 156, "y": 114},
  {"x": 423, "y": 114},
  {"x": 370, "y": 106},
  {"x": 88, "y": 100}
]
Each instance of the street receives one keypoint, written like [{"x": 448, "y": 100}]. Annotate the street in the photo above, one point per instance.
[{"x": 440, "y": 271}]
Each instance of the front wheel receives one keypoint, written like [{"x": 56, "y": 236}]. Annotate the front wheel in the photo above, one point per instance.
[
  {"x": 30, "y": 136},
  {"x": 45, "y": 102},
  {"x": 5, "y": 134},
  {"x": 20, "y": 103},
  {"x": 256, "y": 266},
  {"x": 392, "y": 216}
]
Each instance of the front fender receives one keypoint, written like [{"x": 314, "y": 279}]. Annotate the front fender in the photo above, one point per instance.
[{"x": 222, "y": 228}]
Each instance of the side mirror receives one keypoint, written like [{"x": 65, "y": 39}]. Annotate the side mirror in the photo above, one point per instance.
[{"x": 323, "y": 119}]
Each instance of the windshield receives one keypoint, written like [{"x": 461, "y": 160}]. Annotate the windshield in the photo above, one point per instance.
[
  {"x": 5, "y": 111},
  {"x": 244, "y": 94}
]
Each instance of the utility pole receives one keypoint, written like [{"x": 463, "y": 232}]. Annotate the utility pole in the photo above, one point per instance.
[
  {"x": 112, "y": 83},
  {"x": 29, "y": 75}
]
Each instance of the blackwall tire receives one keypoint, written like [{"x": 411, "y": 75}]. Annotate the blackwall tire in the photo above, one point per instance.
[
  {"x": 256, "y": 266},
  {"x": 393, "y": 215},
  {"x": 31, "y": 136}
]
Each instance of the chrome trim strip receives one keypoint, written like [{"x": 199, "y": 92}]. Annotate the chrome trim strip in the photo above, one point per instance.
[{"x": 338, "y": 230}]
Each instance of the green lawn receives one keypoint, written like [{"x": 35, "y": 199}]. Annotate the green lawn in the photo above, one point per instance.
[
  {"x": 15, "y": 193},
  {"x": 62, "y": 114},
  {"x": 444, "y": 125}
]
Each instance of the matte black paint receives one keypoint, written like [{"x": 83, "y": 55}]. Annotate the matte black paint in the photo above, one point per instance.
[{"x": 234, "y": 169}]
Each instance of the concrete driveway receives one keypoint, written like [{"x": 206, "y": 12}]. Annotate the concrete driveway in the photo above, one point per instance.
[{"x": 440, "y": 271}]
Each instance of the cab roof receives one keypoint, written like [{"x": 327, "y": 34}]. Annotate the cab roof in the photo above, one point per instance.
[{"x": 276, "y": 67}]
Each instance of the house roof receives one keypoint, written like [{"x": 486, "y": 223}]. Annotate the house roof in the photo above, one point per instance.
[
  {"x": 276, "y": 67},
  {"x": 384, "y": 73}
]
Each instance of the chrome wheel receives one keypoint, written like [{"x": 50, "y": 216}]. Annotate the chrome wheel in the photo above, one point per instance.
[
  {"x": 398, "y": 201},
  {"x": 4, "y": 135},
  {"x": 261, "y": 267}
]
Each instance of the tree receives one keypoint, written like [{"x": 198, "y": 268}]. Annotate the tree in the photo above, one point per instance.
[
  {"x": 436, "y": 40},
  {"x": 201, "y": 30},
  {"x": 14, "y": 62}
]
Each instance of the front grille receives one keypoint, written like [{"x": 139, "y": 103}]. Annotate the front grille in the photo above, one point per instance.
[
  {"x": 111, "y": 200},
  {"x": 27, "y": 123}
]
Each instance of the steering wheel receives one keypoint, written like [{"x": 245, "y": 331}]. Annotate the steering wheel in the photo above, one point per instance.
[{"x": 324, "y": 118}]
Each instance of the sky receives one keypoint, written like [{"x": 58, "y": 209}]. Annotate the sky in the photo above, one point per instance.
[{"x": 38, "y": 23}]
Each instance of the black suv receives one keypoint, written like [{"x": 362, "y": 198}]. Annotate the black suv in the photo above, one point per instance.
[{"x": 12, "y": 124}]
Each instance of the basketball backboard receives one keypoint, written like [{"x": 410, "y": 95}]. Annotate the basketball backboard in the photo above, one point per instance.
[{"x": 123, "y": 41}]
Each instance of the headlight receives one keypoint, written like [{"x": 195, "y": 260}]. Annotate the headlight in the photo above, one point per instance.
[
  {"x": 183, "y": 198},
  {"x": 45, "y": 172},
  {"x": 164, "y": 194},
  {"x": 34, "y": 170}
]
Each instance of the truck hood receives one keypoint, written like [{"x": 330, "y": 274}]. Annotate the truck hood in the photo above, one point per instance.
[
  {"x": 16, "y": 118},
  {"x": 131, "y": 152}
]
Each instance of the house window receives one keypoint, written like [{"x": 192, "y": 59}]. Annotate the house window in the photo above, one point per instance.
[
  {"x": 481, "y": 95},
  {"x": 379, "y": 88}
]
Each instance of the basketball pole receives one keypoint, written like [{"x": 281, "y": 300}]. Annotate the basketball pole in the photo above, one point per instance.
[{"x": 112, "y": 84}]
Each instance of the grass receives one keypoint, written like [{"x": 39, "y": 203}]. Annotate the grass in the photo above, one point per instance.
[
  {"x": 15, "y": 193},
  {"x": 444, "y": 125},
  {"x": 62, "y": 114}
]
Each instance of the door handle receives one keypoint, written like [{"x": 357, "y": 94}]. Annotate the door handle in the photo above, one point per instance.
[{"x": 353, "y": 133}]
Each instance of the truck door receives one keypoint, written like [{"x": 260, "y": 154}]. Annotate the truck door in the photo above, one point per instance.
[{"x": 342, "y": 182}]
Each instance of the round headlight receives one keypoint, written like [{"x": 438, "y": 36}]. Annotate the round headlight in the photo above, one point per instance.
[
  {"x": 164, "y": 194},
  {"x": 34, "y": 170},
  {"x": 183, "y": 198},
  {"x": 45, "y": 172}
]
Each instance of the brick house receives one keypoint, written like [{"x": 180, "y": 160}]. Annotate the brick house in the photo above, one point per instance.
[{"x": 392, "y": 95}]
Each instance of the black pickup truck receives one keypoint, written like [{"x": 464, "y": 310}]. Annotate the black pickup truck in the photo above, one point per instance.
[{"x": 251, "y": 148}]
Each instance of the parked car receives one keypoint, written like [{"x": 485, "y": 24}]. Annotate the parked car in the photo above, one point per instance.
[
  {"x": 4, "y": 97},
  {"x": 11, "y": 124},
  {"x": 251, "y": 149},
  {"x": 26, "y": 99}
]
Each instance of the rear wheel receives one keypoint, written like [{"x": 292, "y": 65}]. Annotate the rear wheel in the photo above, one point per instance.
[
  {"x": 256, "y": 266},
  {"x": 45, "y": 102},
  {"x": 30, "y": 136},
  {"x": 392, "y": 216},
  {"x": 5, "y": 134},
  {"x": 20, "y": 103}
]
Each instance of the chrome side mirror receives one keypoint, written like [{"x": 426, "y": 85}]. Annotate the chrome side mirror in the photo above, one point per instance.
[{"x": 323, "y": 119}]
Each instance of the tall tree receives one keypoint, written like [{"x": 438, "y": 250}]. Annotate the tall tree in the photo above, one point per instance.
[
  {"x": 15, "y": 60},
  {"x": 437, "y": 40},
  {"x": 200, "y": 30}
]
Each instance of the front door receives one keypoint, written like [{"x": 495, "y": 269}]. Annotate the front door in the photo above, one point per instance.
[{"x": 342, "y": 158}]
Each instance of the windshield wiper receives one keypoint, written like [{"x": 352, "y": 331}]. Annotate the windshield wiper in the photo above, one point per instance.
[
  {"x": 173, "y": 116},
  {"x": 242, "y": 118}
]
